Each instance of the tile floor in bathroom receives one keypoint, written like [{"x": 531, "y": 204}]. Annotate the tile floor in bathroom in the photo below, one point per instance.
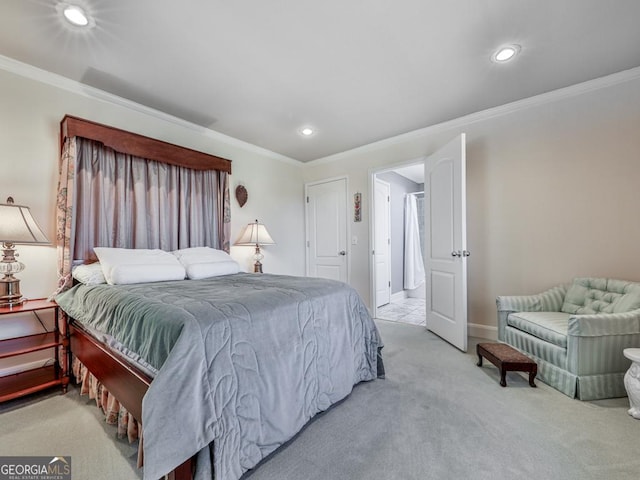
[{"x": 407, "y": 310}]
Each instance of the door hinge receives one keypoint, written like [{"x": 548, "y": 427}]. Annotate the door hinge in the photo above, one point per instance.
[
  {"x": 307, "y": 198},
  {"x": 389, "y": 284}
]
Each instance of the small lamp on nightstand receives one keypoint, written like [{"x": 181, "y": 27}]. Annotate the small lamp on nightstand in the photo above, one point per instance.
[
  {"x": 16, "y": 226},
  {"x": 255, "y": 234}
]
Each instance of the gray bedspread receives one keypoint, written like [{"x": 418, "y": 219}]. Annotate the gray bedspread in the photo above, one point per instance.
[{"x": 249, "y": 360}]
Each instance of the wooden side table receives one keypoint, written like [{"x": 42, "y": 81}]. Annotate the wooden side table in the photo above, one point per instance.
[{"x": 30, "y": 381}]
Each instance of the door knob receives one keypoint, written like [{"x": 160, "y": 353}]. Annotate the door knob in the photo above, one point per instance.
[
  {"x": 342, "y": 252},
  {"x": 456, "y": 253},
  {"x": 466, "y": 253}
]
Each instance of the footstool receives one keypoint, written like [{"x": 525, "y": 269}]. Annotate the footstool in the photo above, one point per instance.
[{"x": 507, "y": 359}]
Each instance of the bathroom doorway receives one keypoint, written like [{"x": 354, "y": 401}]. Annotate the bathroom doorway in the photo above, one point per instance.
[{"x": 406, "y": 241}]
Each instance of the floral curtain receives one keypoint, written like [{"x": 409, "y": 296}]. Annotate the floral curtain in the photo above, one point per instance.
[
  {"x": 224, "y": 212},
  {"x": 64, "y": 213}
]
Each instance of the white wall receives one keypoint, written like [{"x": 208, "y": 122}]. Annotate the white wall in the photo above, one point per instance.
[
  {"x": 553, "y": 190},
  {"x": 29, "y": 135}
]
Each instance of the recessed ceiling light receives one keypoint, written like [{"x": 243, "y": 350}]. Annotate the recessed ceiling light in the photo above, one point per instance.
[
  {"x": 75, "y": 15},
  {"x": 307, "y": 131},
  {"x": 506, "y": 53}
]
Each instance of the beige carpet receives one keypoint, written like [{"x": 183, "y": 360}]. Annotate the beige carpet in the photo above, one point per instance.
[{"x": 52, "y": 424}]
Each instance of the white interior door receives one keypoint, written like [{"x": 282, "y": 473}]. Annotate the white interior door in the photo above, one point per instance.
[
  {"x": 382, "y": 242},
  {"x": 446, "y": 248},
  {"x": 327, "y": 229}
]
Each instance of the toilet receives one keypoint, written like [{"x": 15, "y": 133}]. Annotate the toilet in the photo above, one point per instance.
[{"x": 632, "y": 381}]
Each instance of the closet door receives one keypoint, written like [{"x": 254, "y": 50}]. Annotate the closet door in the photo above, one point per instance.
[{"x": 327, "y": 229}]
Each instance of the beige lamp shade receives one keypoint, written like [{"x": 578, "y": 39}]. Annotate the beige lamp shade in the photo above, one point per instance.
[
  {"x": 255, "y": 234},
  {"x": 17, "y": 225}
]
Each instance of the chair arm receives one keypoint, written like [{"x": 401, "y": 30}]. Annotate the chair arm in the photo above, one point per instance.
[
  {"x": 602, "y": 324},
  {"x": 547, "y": 301}
]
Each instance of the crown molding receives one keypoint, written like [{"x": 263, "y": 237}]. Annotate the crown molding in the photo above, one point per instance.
[
  {"x": 53, "y": 79},
  {"x": 482, "y": 115}
]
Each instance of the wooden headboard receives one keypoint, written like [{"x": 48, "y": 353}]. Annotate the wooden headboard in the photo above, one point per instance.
[{"x": 141, "y": 146}]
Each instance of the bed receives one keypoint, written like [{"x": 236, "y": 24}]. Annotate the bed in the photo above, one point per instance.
[{"x": 219, "y": 370}]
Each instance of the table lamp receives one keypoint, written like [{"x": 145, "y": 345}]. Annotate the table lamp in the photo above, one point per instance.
[
  {"x": 255, "y": 234},
  {"x": 17, "y": 225}
]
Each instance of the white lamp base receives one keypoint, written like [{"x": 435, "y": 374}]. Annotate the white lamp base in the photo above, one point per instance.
[{"x": 257, "y": 267}]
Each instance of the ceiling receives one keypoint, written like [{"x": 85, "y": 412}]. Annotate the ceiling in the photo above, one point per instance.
[
  {"x": 357, "y": 71},
  {"x": 415, "y": 172}
]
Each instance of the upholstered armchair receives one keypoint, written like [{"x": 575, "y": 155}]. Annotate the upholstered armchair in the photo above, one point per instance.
[{"x": 576, "y": 334}]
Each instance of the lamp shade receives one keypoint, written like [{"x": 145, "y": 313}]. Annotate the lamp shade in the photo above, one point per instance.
[
  {"x": 17, "y": 225},
  {"x": 255, "y": 234}
]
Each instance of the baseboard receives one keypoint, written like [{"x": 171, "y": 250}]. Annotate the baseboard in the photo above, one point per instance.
[{"x": 482, "y": 331}]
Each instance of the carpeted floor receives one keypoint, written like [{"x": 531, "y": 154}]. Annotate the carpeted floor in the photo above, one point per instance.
[
  {"x": 51, "y": 424},
  {"x": 436, "y": 416}
]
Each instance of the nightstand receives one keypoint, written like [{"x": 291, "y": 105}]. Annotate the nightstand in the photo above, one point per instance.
[{"x": 30, "y": 381}]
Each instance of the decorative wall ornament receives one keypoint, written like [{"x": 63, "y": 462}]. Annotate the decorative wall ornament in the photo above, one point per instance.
[
  {"x": 241, "y": 195},
  {"x": 357, "y": 200}
]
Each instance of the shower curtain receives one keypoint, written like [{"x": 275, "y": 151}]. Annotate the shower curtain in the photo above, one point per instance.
[{"x": 413, "y": 262}]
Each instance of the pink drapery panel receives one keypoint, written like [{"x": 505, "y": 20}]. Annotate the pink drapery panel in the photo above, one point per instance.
[
  {"x": 64, "y": 213},
  {"x": 224, "y": 211}
]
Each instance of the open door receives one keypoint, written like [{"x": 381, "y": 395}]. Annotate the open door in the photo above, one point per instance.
[
  {"x": 446, "y": 249},
  {"x": 382, "y": 242}
]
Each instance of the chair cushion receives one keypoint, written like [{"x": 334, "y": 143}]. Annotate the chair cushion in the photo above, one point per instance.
[
  {"x": 548, "y": 326},
  {"x": 601, "y": 295}
]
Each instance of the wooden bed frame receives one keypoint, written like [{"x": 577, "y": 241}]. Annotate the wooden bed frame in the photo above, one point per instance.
[{"x": 126, "y": 382}]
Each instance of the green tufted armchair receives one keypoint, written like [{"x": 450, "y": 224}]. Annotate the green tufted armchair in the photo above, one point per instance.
[{"x": 576, "y": 333}]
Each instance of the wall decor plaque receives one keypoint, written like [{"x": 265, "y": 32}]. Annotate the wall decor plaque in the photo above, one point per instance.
[{"x": 241, "y": 195}]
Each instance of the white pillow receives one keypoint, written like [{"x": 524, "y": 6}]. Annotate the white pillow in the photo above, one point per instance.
[
  {"x": 89, "y": 274},
  {"x": 203, "y": 254},
  {"x": 126, "y": 266},
  {"x": 205, "y": 262},
  {"x": 196, "y": 271}
]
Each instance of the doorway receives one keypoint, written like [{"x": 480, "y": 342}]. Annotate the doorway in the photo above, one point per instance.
[
  {"x": 400, "y": 229},
  {"x": 445, "y": 251}
]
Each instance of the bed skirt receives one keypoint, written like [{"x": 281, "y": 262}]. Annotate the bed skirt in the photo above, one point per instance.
[{"x": 115, "y": 414}]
